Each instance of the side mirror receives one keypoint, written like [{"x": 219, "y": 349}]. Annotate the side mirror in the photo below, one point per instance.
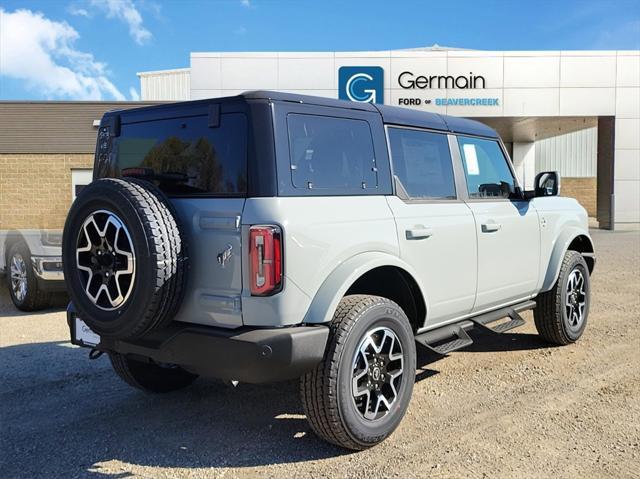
[{"x": 547, "y": 183}]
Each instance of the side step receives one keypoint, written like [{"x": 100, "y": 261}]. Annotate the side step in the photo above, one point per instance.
[
  {"x": 452, "y": 337},
  {"x": 456, "y": 334},
  {"x": 515, "y": 320}
]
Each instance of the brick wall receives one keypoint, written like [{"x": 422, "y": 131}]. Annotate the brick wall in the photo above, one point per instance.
[
  {"x": 582, "y": 189},
  {"x": 35, "y": 190}
]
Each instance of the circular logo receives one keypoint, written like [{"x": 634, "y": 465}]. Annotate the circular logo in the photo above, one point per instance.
[{"x": 356, "y": 91}]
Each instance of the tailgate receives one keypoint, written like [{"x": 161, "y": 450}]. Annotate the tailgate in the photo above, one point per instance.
[{"x": 214, "y": 284}]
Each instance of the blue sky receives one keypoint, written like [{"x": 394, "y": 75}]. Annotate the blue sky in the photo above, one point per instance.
[{"x": 92, "y": 49}]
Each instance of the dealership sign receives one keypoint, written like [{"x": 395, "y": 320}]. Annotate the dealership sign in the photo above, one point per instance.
[
  {"x": 408, "y": 80},
  {"x": 363, "y": 84},
  {"x": 366, "y": 84}
]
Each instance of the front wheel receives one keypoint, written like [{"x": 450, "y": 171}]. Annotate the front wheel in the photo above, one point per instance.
[
  {"x": 561, "y": 313},
  {"x": 359, "y": 393}
]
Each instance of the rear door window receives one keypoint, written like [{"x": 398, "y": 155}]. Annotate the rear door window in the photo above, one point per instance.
[
  {"x": 331, "y": 153},
  {"x": 184, "y": 156},
  {"x": 422, "y": 163}
]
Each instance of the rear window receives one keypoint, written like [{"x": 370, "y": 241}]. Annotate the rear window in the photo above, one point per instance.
[
  {"x": 331, "y": 153},
  {"x": 184, "y": 156}
]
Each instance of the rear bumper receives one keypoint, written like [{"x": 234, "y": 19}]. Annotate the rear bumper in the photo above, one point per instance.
[{"x": 245, "y": 355}]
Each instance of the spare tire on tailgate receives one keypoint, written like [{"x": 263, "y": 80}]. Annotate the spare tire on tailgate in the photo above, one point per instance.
[{"x": 124, "y": 257}]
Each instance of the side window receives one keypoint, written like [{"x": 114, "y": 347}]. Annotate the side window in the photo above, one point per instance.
[
  {"x": 331, "y": 152},
  {"x": 486, "y": 169},
  {"x": 422, "y": 162}
]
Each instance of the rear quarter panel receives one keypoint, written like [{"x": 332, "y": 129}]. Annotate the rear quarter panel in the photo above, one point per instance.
[{"x": 320, "y": 233}]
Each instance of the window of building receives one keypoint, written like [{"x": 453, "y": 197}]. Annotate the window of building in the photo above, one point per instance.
[
  {"x": 486, "y": 168},
  {"x": 331, "y": 152},
  {"x": 422, "y": 163},
  {"x": 80, "y": 177},
  {"x": 184, "y": 156}
]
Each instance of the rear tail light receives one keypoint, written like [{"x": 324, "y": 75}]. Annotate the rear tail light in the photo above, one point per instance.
[{"x": 265, "y": 256}]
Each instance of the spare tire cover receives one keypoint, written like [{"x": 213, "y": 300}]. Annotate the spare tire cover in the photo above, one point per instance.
[{"x": 124, "y": 257}]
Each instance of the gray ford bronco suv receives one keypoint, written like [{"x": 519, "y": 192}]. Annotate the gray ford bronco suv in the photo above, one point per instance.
[{"x": 271, "y": 236}]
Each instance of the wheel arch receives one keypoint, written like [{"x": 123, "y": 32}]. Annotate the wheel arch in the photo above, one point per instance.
[
  {"x": 572, "y": 239},
  {"x": 374, "y": 273}
]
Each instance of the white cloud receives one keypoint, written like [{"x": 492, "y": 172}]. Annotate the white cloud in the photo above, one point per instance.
[
  {"x": 127, "y": 12},
  {"x": 77, "y": 11},
  {"x": 41, "y": 52},
  {"x": 133, "y": 93},
  {"x": 245, "y": 3}
]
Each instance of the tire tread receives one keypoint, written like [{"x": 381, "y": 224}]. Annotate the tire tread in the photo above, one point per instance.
[{"x": 167, "y": 246}]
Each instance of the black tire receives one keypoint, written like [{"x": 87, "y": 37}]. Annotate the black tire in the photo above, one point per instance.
[
  {"x": 149, "y": 376},
  {"x": 551, "y": 317},
  {"x": 326, "y": 391},
  {"x": 158, "y": 285},
  {"x": 34, "y": 299}
]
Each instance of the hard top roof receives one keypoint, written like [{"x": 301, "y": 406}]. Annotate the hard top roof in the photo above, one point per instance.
[{"x": 390, "y": 114}]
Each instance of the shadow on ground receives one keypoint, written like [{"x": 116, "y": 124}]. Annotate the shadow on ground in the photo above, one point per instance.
[
  {"x": 63, "y": 415},
  {"x": 484, "y": 342}
]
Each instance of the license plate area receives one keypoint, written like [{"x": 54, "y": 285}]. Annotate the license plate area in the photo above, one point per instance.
[{"x": 83, "y": 335}]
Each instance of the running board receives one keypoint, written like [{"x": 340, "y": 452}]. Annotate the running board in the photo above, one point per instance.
[
  {"x": 446, "y": 339},
  {"x": 452, "y": 337},
  {"x": 511, "y": 312}
]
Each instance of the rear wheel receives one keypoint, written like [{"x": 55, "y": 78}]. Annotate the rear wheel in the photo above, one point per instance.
[
  {"x": 150, "y": 376},
  {"x": 24, "y": 290},
  {"x": 359, "y": 393},
  {"x": 561, "y": 313}
]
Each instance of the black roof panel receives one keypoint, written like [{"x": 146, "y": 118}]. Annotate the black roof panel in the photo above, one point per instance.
[
  {"x": 407, "y": 117},
  {"x": 423, "y": 119},
  {"x": 390, "y": 114},
  {"x": 457, "y": 124},
  {"x": 308, "y": 99}
]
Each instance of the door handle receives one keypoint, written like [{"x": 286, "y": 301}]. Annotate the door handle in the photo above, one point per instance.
[
  {"x": 491, "y": 227},
  {"x": 418, "y": 233}
]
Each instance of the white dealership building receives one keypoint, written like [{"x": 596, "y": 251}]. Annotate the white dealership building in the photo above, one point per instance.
[{"x": 577, "y": 112}]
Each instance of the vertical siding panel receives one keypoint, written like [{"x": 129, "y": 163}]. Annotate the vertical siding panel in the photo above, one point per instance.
[
  {"x": 573, "y": 154},
  {"x": 170, "y": 85}
]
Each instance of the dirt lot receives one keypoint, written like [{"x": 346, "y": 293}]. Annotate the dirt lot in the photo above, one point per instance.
[{"x": 510, "y": 406}]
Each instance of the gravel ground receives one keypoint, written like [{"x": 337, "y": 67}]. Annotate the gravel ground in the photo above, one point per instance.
[{"x": 509, "y": 406}]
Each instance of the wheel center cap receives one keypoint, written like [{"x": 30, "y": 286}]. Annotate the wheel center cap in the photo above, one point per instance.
[
  {"x": 376, "y": 373},
  {"x": 105, "y": 260}
]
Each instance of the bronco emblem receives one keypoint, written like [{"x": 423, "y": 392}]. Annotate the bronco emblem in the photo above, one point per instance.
[{"x": 224, "y": 256}]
